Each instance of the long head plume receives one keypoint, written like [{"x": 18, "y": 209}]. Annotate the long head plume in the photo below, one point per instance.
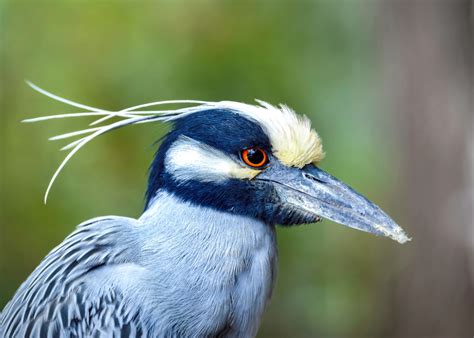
[{"x": 134, "y": 115}]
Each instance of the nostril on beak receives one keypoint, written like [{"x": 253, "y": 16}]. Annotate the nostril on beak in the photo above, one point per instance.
[{"x": 313, "y": 178}]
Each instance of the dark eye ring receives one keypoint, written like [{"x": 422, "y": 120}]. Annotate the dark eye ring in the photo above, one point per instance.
[{"x": 254, "y": 157}]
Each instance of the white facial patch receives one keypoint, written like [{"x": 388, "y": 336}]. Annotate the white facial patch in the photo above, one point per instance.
[{"x": 188, "y": 159}]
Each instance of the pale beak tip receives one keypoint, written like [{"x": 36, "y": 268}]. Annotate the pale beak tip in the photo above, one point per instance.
[
  {"x": 397, "y": 234},
  {"x": 401, "y": 238}
]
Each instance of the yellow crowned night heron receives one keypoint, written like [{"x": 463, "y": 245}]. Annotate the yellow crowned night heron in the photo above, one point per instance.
[{"x": 201, "y": 259}]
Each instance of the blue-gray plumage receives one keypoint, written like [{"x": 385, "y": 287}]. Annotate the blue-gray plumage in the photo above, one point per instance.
[{"x": 201, "y": 260}]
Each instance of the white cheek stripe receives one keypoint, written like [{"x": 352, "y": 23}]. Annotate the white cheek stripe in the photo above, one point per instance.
[{"x": 188, "y": 159}]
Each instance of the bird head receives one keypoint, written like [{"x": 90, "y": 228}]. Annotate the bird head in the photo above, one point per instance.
[
  {"x": 259, "y": 161},
  {"x": 262, "y": 162}
]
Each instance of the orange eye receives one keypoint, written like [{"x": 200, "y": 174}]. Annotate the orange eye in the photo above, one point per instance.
[{"x": 254, "y": 157}]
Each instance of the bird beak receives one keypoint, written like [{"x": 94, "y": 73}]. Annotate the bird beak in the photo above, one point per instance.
[{"x": 317, "y": 192}]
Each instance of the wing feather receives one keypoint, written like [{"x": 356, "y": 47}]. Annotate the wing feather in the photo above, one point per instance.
[{"x": 56, "y": 299}]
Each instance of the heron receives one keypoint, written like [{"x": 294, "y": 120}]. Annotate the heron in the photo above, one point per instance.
[{"x": 201, "y": 259}]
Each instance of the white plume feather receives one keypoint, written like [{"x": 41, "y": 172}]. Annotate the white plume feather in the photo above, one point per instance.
[{"x": 293, "y": 141}]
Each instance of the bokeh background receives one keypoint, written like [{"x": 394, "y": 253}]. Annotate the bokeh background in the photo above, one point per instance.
[{"x": 386, "y": 83}]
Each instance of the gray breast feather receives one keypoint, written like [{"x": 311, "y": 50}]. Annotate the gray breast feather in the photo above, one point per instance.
[{"x": 56, "y": 299}]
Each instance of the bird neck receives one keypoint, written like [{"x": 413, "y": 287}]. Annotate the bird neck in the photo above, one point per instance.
[
  {"x": 172, "y": 227},
  {"x": 170, "y": 215},
  {"x": 206, "y": 257}
]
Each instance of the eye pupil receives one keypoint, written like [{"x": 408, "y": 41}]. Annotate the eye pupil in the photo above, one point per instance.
[{"x": 254, "y": 157}]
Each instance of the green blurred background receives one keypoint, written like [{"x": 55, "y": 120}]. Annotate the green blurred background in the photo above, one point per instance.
[{"x": 386, "y": 85}]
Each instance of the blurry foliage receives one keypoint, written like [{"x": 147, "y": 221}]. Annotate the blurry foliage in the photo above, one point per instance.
[{"x": 318, "y": 57}]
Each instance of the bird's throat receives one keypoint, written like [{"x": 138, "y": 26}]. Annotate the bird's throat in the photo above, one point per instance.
[{"x": 210, "y": 257}]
